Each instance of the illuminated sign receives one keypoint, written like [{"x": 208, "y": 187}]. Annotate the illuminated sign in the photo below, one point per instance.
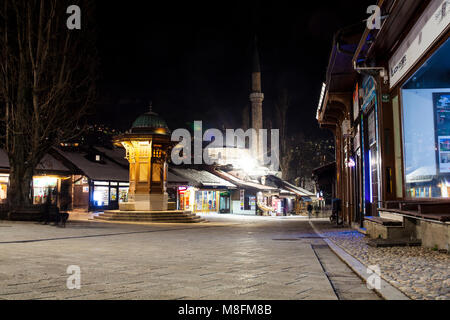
[
  {"x": 351, "y": 163},
  {"x": 429, "y": 27}
]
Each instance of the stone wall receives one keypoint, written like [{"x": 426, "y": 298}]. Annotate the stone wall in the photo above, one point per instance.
[{"x": 434, "y": 235}]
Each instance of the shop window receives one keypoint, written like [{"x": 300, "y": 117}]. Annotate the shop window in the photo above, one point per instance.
[
  {"x": 44, "y": 187},
  {"x": 101, "y": 196},
  {"x": 198, "y": 200},
  {"x": 113, "y": 194},
  {"x": 157, "y": 153},
  {"x": 397, "y": 148},
  {"x": 3, "y": 188},
  {"x": 101, "y": 183},
  {"x": 123, "y": 194},
  {"x": 426, "y": 128}
]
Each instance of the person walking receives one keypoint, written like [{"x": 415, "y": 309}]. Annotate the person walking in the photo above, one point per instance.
[
  {"x": 310, "y": 209},
  {"x": 47, "y": 204}
]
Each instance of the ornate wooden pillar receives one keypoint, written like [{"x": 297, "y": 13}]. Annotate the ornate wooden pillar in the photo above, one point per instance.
[{"x": 147, "y": 145}]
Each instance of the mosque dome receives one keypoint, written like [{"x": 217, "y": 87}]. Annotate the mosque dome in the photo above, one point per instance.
[{"x": 150, "y": 123}]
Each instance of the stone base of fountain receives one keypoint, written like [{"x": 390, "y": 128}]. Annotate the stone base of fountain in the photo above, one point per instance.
[{"x": 167, "y": 216}]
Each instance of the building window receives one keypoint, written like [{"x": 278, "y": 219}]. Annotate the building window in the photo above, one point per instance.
[
  {"x": 397, "y": 148},
  {"x": 43, "y": 188},
  {"x": 101, "y": 196},
  {"x": 4, "y": 179},
  {"x": 426, "y": 128},
  {"x": 113, "y": 194},
  {"x": 157, "y": 153},
  {"x": 123, "y": 194}
]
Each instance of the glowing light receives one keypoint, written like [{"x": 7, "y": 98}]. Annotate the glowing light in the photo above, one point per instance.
[
  {"x": 47, "y": 181},
  {"x": 322, "y": 96},
  {"x": 351, "y": 163},
  {"x": 247, "y": 164},
  {"x": 370, "y": 175}
]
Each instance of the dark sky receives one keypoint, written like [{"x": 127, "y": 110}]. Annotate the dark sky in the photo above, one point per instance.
[{"x": 193, "y": 58}]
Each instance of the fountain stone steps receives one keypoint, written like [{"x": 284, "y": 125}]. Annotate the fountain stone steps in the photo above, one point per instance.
[{"x": 175, "y": 216}]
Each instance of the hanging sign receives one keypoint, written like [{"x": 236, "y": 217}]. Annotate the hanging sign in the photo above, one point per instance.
[{"x": 370, "y": 93}]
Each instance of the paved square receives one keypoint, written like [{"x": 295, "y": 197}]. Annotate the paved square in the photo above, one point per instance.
[{"x": 226, "y": 258}]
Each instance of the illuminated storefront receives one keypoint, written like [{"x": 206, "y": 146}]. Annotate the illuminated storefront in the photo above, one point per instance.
[
  {"x": 370, "y": 148},
  {"x": 100, "y": 183},
  {"x": 4, "y": 179},
  {"x": 108, "y": 194},
  {"x": 400, "y": 122},
  {"x": 224, "y": 202},
  {"x": 420, "y": 95},
  {"x": 44, "y": 187},
  {"x": 425, "y": 101},
  {"x": 190, "y": 198},
  {"x": 206, "y": 192},
  {"x": 206, "y": 200},
  {"x": 185, "y": 198}
]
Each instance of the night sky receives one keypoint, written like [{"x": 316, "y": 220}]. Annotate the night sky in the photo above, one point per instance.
[{"x": 193, "y": 58}]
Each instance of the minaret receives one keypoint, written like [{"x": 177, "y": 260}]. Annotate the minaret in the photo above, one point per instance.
[{"x": 257, "y": 97}]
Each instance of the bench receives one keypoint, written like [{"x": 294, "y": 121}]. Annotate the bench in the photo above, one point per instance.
[
  {"x": 56, "y": 216},
  {"x": 428, "y": 220},
  {"x": 384, "y": 222},
  {"x": 382, "y": 228},
  {"x": 37, "y": 213}
]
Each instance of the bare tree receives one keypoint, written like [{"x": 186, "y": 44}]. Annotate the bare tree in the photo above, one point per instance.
[
  {"x": 47, "y": 75},
  {"x": 282, "y": 105},
  {"x": 246, "y": 118}
]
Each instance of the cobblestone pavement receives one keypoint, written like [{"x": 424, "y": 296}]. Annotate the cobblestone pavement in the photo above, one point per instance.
[
  {"x": 227, "y": 258},
  {"x": 418, "y": 272}
]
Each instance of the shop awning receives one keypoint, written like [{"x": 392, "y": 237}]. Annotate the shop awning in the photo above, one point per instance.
[
  {"x": 202, "y": 178},
  {"x": 300, "y": 192},
  {"x": 176, "y": 181},
  {"x": 245, "y": 184},
  {"x": 105, "y": 170},
  {"x": 4, "y": 162},
  {"x": 48, "y": 164}
]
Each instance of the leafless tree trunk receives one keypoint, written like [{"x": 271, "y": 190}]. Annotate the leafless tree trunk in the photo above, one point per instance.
[
  {"x": 47, "y": 75},
  {"x": 282, "y": 105}
]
